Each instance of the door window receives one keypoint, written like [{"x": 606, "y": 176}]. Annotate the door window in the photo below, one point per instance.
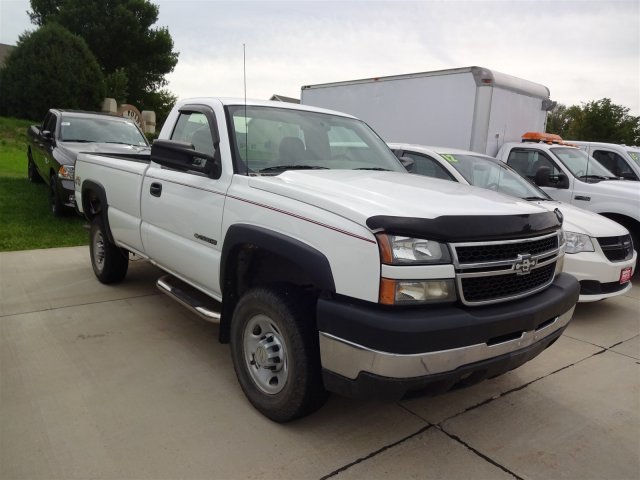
[
  {"x": 614, "y": 162},
  {"x": 194, "y": 128},
  {"x": 427, "y": 166},
  {"x": 528, "y": 162}
]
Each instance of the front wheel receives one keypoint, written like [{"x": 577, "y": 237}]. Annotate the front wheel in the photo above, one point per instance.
[
  {"x": 275, "y": 353},
  {"x": 57, "y": 208},
  {"x": 32, "y": 172},
  {"x": 110, "y": 262}
]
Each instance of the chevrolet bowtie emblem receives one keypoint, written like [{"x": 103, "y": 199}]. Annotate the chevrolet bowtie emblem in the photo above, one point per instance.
[{"x": 524, "y": 264}]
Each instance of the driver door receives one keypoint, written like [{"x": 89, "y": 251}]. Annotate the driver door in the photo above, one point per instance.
[{"x": 182, "y": 210}]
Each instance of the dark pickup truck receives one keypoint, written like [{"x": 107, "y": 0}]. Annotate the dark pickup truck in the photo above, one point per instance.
[{"x": 53, "y": 147}]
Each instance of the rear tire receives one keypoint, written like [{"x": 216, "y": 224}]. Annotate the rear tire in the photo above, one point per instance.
[
  {"x": 110, "y": 262},
  {"x": 275, "y": 352}
]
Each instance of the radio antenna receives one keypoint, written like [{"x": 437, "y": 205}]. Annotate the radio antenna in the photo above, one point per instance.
[{"x": 246, "y": 127}]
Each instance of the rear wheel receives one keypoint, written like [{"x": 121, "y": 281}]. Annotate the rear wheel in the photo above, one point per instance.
[
  {"x": 57, "y": 208},
  {"x": 275, "y": 353},
  {"x": 110, "y": 262}
]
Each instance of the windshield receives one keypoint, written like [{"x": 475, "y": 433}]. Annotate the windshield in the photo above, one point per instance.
[
  {"x": 270, "y": 140},
  {"x": 482, "y": 172},
  {"x": 635, "y": 156},
  {"x": 102, "y": 130},
  {"x": 582, "y": 165}
]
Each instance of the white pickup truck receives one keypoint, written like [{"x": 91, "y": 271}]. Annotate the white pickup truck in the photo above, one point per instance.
[
  {"x": 326, "y": 265},
  {"x": 569, "y": 175}
]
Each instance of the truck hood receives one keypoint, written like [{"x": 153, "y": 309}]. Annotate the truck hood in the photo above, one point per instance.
[
  {"x": 70, "y": 150},
  {"x": 626, "y": 189},
  {"x": 360, "y": 195},
  {"x": 583, "y": 221}
]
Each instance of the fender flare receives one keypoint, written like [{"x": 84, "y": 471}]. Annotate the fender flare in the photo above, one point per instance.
[
  {"x": 102, "y": 195},
  {"x": 301, "y": 254}
]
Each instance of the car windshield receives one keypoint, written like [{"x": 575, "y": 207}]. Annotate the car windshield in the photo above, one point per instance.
[
  {"x": 581, "y": 165},
  {"x": 635, "y": 156},
  {"x": 101, "y": 130},
  {"x": 270, "y": 140},
  {"x": 485, "y": 173}
]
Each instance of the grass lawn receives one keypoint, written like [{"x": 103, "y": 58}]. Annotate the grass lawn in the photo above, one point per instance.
[{"x": 25, "y": 219}]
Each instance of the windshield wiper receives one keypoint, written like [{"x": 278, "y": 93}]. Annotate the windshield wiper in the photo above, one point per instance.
[
  {"x": 535, "y": 198},
  {"x": 379, "y": 169},
  {"x": 596, "y": 177},
  {"x": 76, "y": 140},
  {"x": 280, "y": 168}
]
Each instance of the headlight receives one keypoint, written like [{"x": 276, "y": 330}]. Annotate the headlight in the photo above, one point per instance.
[
  {"x": 66, "y": 172},
  {"x": 398, "y": 250},
  {"x": 578, "y": 242},
  {"x": 411, "y": 292}
]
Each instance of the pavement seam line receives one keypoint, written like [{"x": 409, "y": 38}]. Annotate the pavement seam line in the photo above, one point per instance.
[
  {"x": 515, "y": 389},
  {"x": 479, "y": 453},
  {"x": 79, "y": 305},
  {"x": 375, "y": 452}
]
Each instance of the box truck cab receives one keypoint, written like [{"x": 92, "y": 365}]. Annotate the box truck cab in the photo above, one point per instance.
[
  {"x": 569, "y": 175},
  {"x": 621, "y": 160}
]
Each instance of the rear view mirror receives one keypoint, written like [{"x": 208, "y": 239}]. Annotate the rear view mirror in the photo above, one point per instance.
[
  {"x": 543, "y": 177},
  {"x": 182, "y": 156}
]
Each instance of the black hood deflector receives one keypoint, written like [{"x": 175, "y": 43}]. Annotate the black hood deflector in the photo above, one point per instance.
[{"x": 469, "y": 228}]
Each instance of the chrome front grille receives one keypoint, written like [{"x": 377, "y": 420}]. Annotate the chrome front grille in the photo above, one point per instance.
[{"x": 499, "y": 271}]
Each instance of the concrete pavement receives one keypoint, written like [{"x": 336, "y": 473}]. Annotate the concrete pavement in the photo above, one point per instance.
[{"x": 121, "y": 382}]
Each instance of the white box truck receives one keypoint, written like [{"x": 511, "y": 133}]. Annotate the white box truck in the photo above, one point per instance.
[{"x": 471, "y": 108}]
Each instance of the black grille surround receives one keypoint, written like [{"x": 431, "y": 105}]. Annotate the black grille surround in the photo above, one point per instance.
[
  {"x": 500, "y": 271},
  {"x": 616, "y": 249}
]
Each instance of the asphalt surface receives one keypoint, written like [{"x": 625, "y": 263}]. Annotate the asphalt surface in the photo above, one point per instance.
[{"x": 120, "y": 382}]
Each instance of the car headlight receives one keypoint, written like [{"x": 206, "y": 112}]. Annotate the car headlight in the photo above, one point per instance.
[
  {"x": 399, "y": 250},
  {"x": 66, "y": 172},
  {"x": 411, "y": 292},
  {"x": 578, "y": 242}
]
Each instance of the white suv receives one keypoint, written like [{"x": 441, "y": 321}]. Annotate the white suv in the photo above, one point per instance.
[{"x": 600, "y": 252}]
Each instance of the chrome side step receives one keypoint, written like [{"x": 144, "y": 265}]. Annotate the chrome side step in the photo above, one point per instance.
[{"x": 196, "y": 301}]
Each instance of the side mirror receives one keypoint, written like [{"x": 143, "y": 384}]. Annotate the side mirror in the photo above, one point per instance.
[
  {"x": 46, "y": 134},
  {"x": 182, "y": 156},
  {"x": 543, "y": 177},
  {"x": 407, "y": 163},
  {"x": 563, "y": 181}
]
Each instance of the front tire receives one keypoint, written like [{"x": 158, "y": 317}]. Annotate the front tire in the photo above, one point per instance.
[
  {"x": 57, "y": 208},
  {"x": 110, "y": 262},
  {"x": 32, "y": 172},
  {"x": 275, "y": 352}
]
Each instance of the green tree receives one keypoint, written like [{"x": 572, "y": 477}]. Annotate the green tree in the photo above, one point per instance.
[
  {"x": 560, "y": 118},
  {"x": 50, "y": 67},
  {"x": 120, "y": 33},
  {"x": 603, "y": 121}
]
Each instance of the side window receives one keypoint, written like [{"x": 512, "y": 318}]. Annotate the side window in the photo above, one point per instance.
[
  {"x": 194, "y": 128},
  {"x": 427, "y": 166},
  {"x": 614, "y": 163},
  {"x": 528, "y": 162}
]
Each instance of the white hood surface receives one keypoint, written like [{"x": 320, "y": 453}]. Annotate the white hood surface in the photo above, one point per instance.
[
  {"x": 583, "y": 221},
  {"x": 360, "y": 194}
]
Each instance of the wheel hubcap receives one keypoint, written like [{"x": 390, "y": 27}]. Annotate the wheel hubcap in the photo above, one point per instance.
[
  {"x": 98, "y": 251},
  {"x": 265, "y": 354}
]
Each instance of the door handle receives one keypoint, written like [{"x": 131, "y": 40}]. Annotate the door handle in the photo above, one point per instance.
[
  {"x": 582, "y": 197},
  {"x": 156, "y": 189}
]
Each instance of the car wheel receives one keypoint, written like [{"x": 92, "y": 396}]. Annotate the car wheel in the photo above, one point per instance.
[
  {"x": 32, "y": 172},
  {"x": 110, "y": 262},
  {"x": 57, "y": 208},
  {"x": 275, "y": 352}
]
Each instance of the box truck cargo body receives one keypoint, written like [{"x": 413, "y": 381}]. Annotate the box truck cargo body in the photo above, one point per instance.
[{"x": 470, "y": 108}]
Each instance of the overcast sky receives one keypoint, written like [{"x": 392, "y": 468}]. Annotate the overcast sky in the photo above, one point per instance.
[{"x": 581, "y": 50}]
